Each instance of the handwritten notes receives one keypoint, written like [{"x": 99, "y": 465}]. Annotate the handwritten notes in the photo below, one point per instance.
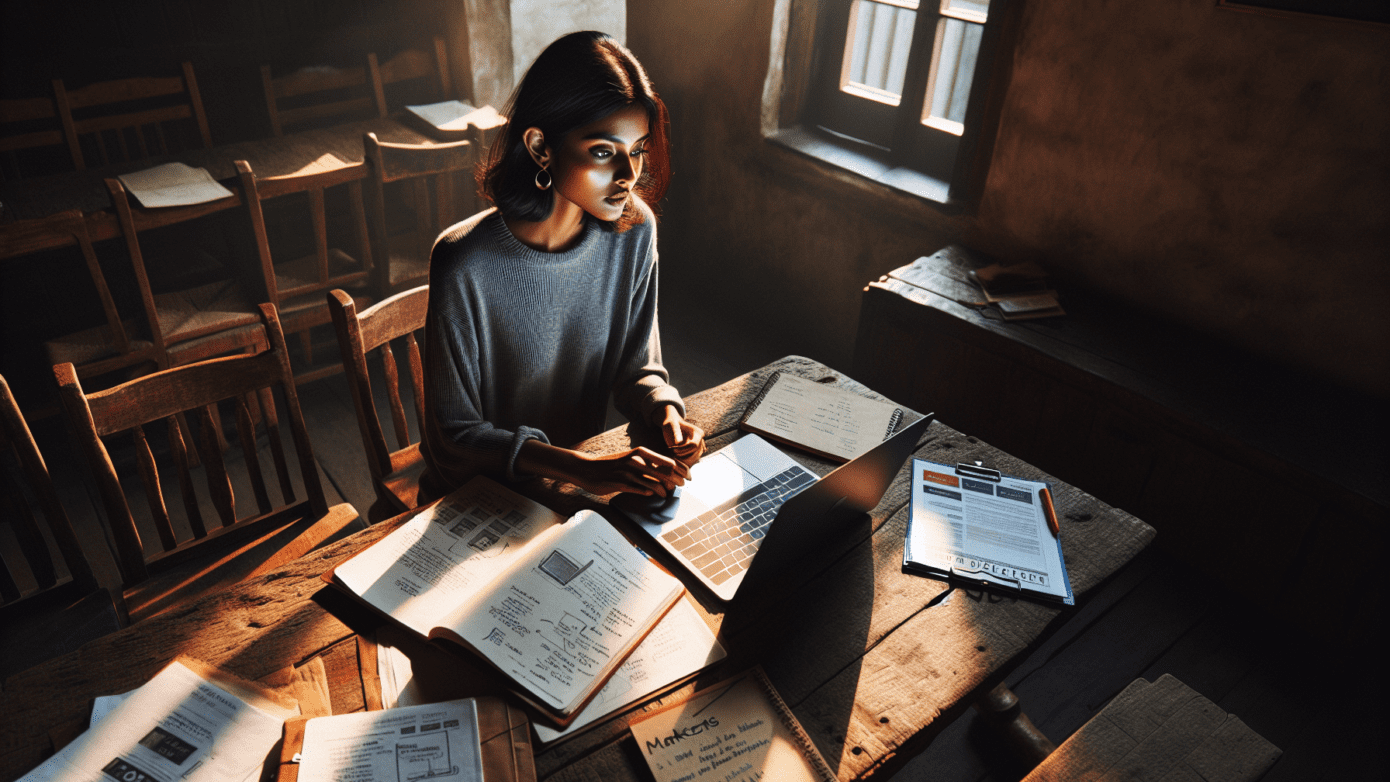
[
  {"x": 820, "y": 418},
  {"x": 736, "y": 731}
]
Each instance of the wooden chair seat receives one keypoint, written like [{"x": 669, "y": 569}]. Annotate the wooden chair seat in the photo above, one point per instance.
[
  {"x": 301, "y": 275},
  {"x": 93, "y": 347},
  {"x": 191, "y": 557},
  {"x": 206, "y": 309},
  {"x": 395, "y": 473}
]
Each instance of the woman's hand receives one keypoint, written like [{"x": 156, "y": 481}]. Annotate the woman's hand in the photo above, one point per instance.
[
  {"x": 686, "y": 440},
  {"x": 639, "y": 470}
]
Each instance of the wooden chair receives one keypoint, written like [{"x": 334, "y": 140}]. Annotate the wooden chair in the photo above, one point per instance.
[
  {"x": 395, "y": 473},
  {"x": 409, "y": 65},
  {"x": 402, "y": 252},
  {"x": 129, "y": 110},
  {"x": 28, "y": 124},
  {"x": 244, "y": 545},
  {"x": 319, "y": 95},
  {"x": 193, "y": 323},
  {"x": 60, "y": 611},
  {"x": 296, "y": 285},
  {"x": 117, "y": 344}
]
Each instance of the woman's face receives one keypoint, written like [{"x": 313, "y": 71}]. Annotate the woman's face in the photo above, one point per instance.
[{"x": 596, "y": 165}]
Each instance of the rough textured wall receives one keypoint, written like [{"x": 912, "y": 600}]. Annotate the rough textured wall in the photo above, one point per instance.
[
  {"x": 1224, "y": 169},
  {"x": 740, "y": 234},
  {"x": 1228, "y": 170}
]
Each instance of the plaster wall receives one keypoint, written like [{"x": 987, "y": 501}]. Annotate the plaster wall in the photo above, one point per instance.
[{"x": 1226, "y": 170}]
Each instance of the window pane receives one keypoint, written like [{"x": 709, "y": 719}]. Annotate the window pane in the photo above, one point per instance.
[
  {"x": 953, "y": 69},
  {"x": 876, "y": 60}
]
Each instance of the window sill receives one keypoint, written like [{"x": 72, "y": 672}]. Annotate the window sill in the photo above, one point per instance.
[{"x": 861, "y": 161}]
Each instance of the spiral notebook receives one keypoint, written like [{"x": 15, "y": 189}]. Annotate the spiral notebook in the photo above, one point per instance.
[{"x": 820, "y": 418}]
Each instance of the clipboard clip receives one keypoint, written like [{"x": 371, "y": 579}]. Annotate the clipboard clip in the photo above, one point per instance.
[
  {"x": 976, "y": 471},
  {"x": 982, "y": 576}
]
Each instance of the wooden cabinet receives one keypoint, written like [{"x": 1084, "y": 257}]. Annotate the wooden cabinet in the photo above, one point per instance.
[{"x": 1270, "y": 482}]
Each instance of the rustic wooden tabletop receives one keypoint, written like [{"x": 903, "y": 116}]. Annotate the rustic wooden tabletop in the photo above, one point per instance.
[{"x": 874, "y": 662}]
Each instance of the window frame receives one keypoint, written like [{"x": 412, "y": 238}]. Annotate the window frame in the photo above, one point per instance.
[{"x": 806, "y": 46}]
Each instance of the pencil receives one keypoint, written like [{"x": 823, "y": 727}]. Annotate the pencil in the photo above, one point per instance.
[{"x": 1046, "y": 497}]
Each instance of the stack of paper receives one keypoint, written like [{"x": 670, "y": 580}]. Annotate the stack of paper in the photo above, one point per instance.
[{"x": 1020, "y": 291}]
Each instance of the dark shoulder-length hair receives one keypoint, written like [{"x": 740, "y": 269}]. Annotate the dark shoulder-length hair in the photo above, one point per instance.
[{"x": 578, "y": 79}]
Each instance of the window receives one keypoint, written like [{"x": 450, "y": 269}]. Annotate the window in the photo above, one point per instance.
[{"x": 898, "y": 82}]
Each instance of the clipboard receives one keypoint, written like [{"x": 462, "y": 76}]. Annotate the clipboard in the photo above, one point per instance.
[
  {"x": 504, "y": 737},
  {"x": 1012, "y": 578}
]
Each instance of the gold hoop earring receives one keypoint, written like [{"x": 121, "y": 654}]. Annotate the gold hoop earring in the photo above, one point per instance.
[{"x": 549, "y": 180}]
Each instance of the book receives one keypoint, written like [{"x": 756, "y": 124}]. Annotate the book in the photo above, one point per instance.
[
  {"x": 451, "y": 119},
  {"x": 739, "y": 730},
  {"x": 980, "y": 526},
  {"x": 552, "y": 605},
  {"x": 1020, "y": 291},
  {"x": 191, "y": 722},
  {"x": 463, "y": 740},
  {"x": 827, "y": 421}
]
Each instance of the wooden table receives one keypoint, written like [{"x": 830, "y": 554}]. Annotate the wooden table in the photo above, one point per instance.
[
  {"x": 311, "y": 150},
  {"x": 874, "y": 662}
]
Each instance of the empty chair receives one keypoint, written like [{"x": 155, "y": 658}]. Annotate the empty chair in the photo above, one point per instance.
[
  {"x": 61, "y": 606},
  {"x": 408, "y": 217},
  {"x": 193, "y": 555},
  {"x": 296, "y": 281},
  {"x": 395, "y": 472},
  {"x": 317, "y": 95},
  {"x": 209, "y": 316},
  {"x": 28, "y": 124},
  {"x": 116, "y": 344},
  {"x": 135, "y": 117},
  {"x": 428, "y": 69}
]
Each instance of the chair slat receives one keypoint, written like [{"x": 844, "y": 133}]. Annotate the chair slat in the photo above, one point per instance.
[
  {"x": 154, "y": 492},
  {"x": 277, "y": 448},
  {"x": 219, "y": 483},
  {"x": 26, "y": 531},
  {"x": 417, "y": 378},
  {"x": 246, "y": 430},
  {"x": 393, "y": 388},
  {"x": 178, "y": 446}
]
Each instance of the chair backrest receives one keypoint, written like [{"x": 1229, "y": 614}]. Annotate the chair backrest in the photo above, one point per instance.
[
  {"x": 191, "y": 319},
  {"x": 126, "y": 110},
  {"x": 327, "y": 267},
  {"x": 396, "y": 318},
  {"x": 318, "y": 94},
  {"x": 410, "y": 64},
  {"x": 247, "y": 383},
  {"x": 27, "y": 123},
  {"x": 16, "y": 438},
  {"x": 433, "y": 170},
  {"x": 67, "y": 229}
]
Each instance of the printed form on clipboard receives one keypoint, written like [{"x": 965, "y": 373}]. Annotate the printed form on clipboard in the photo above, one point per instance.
[{"x": 978, "y": 525}]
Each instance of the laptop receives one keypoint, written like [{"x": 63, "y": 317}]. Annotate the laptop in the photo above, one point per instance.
[{"x": 721, "y": 522}]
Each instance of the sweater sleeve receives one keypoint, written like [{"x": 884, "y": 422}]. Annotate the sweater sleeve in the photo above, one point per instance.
[
  {"x": 643, "y": 384},
  {"x": 459, "y": 441}
]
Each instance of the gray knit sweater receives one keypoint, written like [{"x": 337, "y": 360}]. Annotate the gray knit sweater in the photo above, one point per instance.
[{"x": 525, "y": 344}]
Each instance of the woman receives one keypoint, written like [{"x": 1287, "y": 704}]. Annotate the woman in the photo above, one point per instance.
[{"x": 543, "y": 305}]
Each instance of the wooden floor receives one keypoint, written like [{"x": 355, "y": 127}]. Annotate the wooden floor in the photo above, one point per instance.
[{"x": 1320, "y": 703}]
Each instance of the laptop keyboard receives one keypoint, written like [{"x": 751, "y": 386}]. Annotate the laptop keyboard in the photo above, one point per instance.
[{"x": 721, "y": 541}]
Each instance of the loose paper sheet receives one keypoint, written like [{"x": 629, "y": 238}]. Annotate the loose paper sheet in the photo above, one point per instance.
[
  {"x": 178, "y": 727},
  {"x": 825, "y": 419},
  {"x": 453, "y": 115},
  {"x": 173, "y": 184},
  {"x": 677, "y": 647},
  {"x": 410, "y": 744},
  {"x": 737, "y": 731}
]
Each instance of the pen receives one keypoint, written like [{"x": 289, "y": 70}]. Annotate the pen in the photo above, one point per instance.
[{"x": 1046, "y": 497}]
